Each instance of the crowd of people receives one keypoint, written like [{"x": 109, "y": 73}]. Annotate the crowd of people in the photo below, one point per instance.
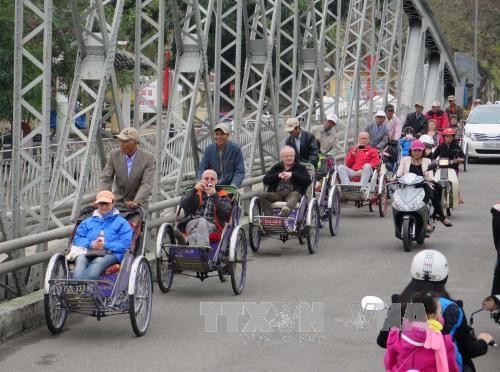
[{"x": 440, "y": 342}]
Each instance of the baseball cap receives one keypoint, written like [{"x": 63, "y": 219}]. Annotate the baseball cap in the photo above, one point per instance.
[
  {"x": 332, "y": 117},
  {"x": 436, "y": 104},
  {"x": 451, "y": 98},
  {"x": 420, "y": 104},
  {"x": 380, "y": 113},
  {"x": 291, "y": 124},
  {"x": 128, "y": 134},
  {"x": 105, "y": 196},
  {"x": 223, "y": 127}
]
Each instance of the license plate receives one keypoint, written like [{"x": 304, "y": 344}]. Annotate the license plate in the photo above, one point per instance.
[
  {"x": 350, "y": 188},
  {"x": 81, "y": 288},
  {"x": 271, "y": 221},
  {"x": 491, "y": 145}
]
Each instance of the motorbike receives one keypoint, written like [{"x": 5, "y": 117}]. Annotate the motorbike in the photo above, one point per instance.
[
  {"x": 447, "y": 178},
  {"x": 411, "y": 214}
]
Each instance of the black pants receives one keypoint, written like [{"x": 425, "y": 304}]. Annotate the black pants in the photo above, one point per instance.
[
  {"x": 495, "y": 224},
  {"x": 435, "y": 194}
]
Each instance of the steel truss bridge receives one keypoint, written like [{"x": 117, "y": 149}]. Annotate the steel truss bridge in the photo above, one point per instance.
[{"x": 252, "y": 63}]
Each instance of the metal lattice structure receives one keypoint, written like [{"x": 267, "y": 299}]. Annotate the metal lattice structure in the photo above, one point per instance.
[{"x": 250, "y": 63}]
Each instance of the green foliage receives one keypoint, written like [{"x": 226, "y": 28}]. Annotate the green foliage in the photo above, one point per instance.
[{"x": 456, "y": 20}]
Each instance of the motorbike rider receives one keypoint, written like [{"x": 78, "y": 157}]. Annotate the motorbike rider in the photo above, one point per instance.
[
  {"x": 415, "y": 163},
  {"x": 451, "y": 149},
  {"x": 428, "y": 142},
  {"x": 429, "y": 272}
]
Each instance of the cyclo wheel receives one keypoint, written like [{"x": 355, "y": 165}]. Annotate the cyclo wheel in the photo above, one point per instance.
[
  {"x": 164, "y": 270},
  {"x": 405, "y": 234},
  {"x": 254, "y": 232},
  {"x": 334, "y": 215},
  {"x": 312, "y": 230},
  {"x": 55, "y": 315},
  {"x": 382, "y": 201},
  {"x": 238, "y": 267},
  {"x": 141, "y": 301}
]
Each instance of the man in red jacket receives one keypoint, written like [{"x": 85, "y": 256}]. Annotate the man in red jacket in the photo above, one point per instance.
[
  {"x": 439, "y": 115},
  {"x": 360, "y": 162}
]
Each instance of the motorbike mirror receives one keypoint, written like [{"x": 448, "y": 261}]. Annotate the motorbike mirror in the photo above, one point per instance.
[
  {"x": 490, "y": 303},
  {"x": 372, "y": 303}
]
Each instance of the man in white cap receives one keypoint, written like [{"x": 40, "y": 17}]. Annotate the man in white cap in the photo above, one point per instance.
[
  {"x": 327, "y": 135},
  {"x": 224, "y": 157},
  {"x": 131, "y": 169},
  {"x": 377, "y": 131},
  {"x": 303, "y": 142},
  {"x": 439, "y": 115}
]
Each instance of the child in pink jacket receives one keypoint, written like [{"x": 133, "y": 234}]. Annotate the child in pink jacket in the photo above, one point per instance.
[{"x": 420, "y": 345}]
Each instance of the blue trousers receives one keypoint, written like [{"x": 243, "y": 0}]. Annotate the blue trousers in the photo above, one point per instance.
[{"x": 91, "y": 268}]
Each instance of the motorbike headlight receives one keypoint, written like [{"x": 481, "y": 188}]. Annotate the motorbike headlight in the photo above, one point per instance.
[{"x": 471, "y": 136}]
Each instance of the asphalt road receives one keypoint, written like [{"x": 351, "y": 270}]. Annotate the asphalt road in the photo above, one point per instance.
[{"x": 364, "y": 259}]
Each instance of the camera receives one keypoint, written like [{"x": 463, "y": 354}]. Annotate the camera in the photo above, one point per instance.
[{"x": 361, "y": 147}]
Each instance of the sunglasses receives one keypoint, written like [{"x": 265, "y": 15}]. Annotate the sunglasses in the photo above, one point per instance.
[
  {"x": 102, "y": 204},
  {"x": 209, "y": 179},
  {"x": 389, "y": 111}
]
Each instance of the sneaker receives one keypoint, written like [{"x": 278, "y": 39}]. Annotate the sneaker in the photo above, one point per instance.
[
  {"x": 180, "y": 237},
  {"x": 285, "y": 211}
]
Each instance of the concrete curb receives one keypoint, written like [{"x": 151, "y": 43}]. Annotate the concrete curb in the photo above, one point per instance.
[{"x": 20, "y": 314}]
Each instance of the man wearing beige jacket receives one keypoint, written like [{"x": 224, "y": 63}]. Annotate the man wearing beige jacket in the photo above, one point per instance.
[{"x": 131, "y": 169}]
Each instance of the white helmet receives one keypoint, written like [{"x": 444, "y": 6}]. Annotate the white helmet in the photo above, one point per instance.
[
  {"x": 429, "y": 265},
  {"x": 426, "y": 140}
]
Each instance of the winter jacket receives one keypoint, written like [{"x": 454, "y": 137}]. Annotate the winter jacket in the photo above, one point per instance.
[
  {"x": 416, "y": 348},
  {"x": 309, "y": 147},
  {"x": 368, "y": 155},
  {"x": 468, "y": 346},
  {"x": 379, "y": 135},
  {"x": 193, "y": 200},
  {"x": 117, "y": 233},
  {"x": 418, "y": 124},
  {"x": 405, "y": 146},
  {"x": 456, "y": 110},
  {"x": 452, "y": 152},
  {"x": 300, "y": 177},
  {"x": 231, "y": 170},
  {"x": 440, "y": 117}
]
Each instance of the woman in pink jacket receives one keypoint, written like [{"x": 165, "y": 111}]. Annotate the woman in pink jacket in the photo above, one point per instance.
[{"x": 420, "y": 345}]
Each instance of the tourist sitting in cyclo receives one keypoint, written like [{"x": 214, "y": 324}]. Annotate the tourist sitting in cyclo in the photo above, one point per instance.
[
  {"x": 286, "y": 181},
  {"x": 360, "y": 162},
  {"x": 206, "y": 211},
  {"x": 100, "y": 240}
]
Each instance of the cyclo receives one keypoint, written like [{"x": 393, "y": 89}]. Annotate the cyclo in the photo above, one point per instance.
[
  {"x": 120, "y": 289},
  {"x": 375, "y": 193},
  {"x": 327, "y": 195},
  {"x": 303, "y": 222},
  {"x": 226, "y": 254}
]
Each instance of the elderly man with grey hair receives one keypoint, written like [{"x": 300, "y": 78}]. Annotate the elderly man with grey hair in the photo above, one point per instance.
[{"x": 286, "y": 181}]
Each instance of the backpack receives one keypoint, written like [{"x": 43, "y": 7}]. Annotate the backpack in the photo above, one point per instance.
[{"x": 444, "y": 304}]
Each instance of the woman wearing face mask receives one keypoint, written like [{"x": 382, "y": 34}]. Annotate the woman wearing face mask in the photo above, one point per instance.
[
  {"x": 420, "y": 345},
  {"x": 429, "y": 272}
]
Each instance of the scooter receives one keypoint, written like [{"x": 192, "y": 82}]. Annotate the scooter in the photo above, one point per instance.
[
  {"x": 446, "y": 176},
  {"x": 411, "y": 214}
]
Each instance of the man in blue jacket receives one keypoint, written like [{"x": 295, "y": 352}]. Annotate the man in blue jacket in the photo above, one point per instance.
[
  {"x": 105, "y": 232},
  {"x": 225, "y": 157}
]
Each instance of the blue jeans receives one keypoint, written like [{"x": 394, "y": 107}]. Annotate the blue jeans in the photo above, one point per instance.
[{"x": 91, "y": 268}]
